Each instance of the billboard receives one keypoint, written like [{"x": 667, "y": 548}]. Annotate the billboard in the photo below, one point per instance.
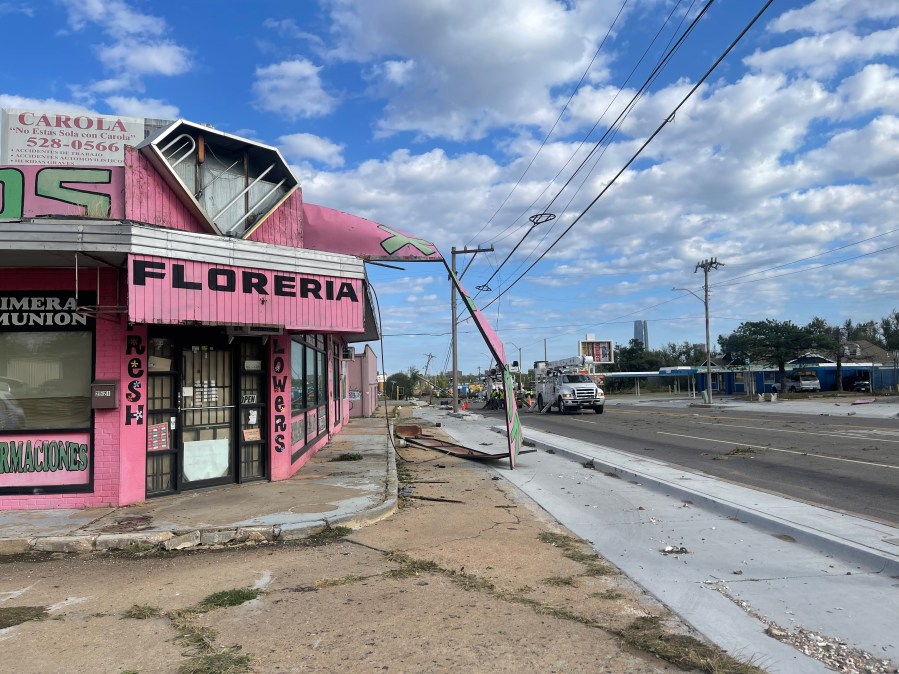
[
  {"x": 69, "y": 139},
  {"x": 601, "y": 351}
]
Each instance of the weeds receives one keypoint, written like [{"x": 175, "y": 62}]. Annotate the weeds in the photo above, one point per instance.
[
  {"x": 142, "y": 612},
  {"x": 410, "y": 566},
  {"x": 648, "y": 634},
  {"x": 227, "y": 598},
  {"x": 572, "y": 548},
  {"x": 348, "y": 456},
  {"x": 225, "y": 662},
  {"x": 325, "y": 536},
  {"x": 610, "y": 594},
  {"x": 560, "y": 581},
  {"x": 334, "y": 582},
  {"x": 199, "y": 639}
]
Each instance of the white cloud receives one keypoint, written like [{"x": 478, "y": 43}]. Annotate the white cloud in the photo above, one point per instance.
[
  {"x": 26, "y": 103},
  {"x": 142, "y": 107},
  {"x": 824, "y": 16},
  {"x": 874, "y": 88},
  {"x": 137, "y": 48},
  {"x": 139, "y": 59},
  {"x": 292, "y": 89},
  {"x": 458, "y": 70},
  {"x": 114, "y": 16},
  {"x": 822, "y": 55},
  {"x": 299, "y": 146}
]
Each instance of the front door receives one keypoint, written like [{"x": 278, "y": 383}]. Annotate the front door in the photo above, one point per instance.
[
  {"x": 206, "y": 410},
  {"x": 207, "y": 416}
]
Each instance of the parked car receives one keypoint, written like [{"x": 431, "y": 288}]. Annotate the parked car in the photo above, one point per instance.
[
  {"x": 861, "y": 386},
  {"x": 795, "y": 383},
  {"x": 11, "y": 415}
]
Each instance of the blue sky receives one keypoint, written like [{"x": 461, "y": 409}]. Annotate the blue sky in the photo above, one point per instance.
[{"x": 456, "y": 121}]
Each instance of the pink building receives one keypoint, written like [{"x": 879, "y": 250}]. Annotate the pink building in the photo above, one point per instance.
[
  {"x": 165, "y": 323},
  {"x": 362, "y": 383}
]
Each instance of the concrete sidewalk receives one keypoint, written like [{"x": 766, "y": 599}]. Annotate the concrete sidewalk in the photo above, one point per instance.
[{"x": 323, "y": 493}]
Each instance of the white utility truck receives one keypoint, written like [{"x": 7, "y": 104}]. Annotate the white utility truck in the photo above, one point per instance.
[{"x": 568, "y": 385}]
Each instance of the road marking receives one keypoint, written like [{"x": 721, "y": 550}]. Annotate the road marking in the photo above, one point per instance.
[
  {"x": 584, "y": 421},
  {"x": 785, "y": 451},
  {"x": 784, "y": 430}
]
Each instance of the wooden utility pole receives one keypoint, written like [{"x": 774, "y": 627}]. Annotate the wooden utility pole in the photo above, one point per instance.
[
  {"x": 454, "y": 319},
  {"x": 706, "y": 265}
]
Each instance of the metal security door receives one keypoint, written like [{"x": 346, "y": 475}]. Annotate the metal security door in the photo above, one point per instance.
[{"x": 207, "y": 417}]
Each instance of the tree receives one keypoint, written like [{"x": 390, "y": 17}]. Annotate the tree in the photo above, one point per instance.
[
  {"x": 773, "y": 341},
  {"x": 825, "y": 337},
  {"x": 889, "y": 327},
  {"x": 399, "y": 386}
]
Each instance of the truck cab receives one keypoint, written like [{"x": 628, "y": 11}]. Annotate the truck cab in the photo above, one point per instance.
[{"x": 561, "y": 386}]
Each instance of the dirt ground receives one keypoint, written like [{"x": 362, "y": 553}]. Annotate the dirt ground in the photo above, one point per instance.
[{"x": 468, "y": 576}]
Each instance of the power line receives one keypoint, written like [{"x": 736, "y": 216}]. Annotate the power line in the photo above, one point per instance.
[
  {"x": 642, "y": 147},
  {"x": 555, "y": 124},
  {"x": 610, "y": 133}
]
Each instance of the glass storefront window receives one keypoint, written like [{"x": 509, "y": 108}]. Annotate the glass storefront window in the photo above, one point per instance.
[
  {"x": 45, "y": 380},
  {"x": 308, "y": 373}
]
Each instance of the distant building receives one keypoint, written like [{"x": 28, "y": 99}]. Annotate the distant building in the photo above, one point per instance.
[{"x": 641, "y": 333}]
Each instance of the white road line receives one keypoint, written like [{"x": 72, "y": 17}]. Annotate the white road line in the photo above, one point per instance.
[
  {"x": 826, "y": 435},
  {"x": 785, "y": 451}
]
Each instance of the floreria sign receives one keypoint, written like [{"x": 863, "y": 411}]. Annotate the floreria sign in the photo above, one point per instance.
[{"x": 163, "y": 290}]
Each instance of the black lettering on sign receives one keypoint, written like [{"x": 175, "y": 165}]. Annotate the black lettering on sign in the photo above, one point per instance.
[
  {"x": 135, "y": 347},
  {"x": 225, "y": 280}
]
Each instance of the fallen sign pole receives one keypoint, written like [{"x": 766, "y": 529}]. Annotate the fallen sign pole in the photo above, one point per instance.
[{"x": 413, "y": 435}]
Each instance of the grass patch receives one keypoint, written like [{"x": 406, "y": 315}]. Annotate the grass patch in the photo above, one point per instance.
[
  {"x": 326, "y": 536},
  {"x": 472, "y": 583},
  {"x": 335, "y": 582},
  {"x": 558, "y": 540},
  {"x": 649, "y": 635},
  {"x": 142, "y": 612},
  {"x": 347, "y": 456},
  {"x": 409, "y": 566},
  {"x": 227, "y": 598},
  {"x": 573, "y": 549},
  {"x": 560, "y": 581},
  {"x": 195, "y": 638},
  {"x": 16, "y": 615},
  {"x": 595, "y": 569},
  {"x": 609, "y": 594},
  {"x": 226, "y": 662}
]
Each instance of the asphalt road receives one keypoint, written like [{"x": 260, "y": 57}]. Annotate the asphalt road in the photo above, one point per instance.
[{"x": 850, "y": 464}]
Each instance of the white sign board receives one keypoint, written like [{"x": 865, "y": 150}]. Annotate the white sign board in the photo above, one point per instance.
[{"x": 66, "y": 139}]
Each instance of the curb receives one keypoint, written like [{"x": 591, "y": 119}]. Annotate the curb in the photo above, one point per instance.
[{"x": 848, "y": 551}]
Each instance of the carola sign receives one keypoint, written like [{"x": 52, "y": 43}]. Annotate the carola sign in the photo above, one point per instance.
[{"x": 163, "y": 290}]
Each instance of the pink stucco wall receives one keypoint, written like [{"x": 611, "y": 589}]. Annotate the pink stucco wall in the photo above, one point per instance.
[
  {"x": 108, "y": 347},
  {"x": 362, "y": 380}
]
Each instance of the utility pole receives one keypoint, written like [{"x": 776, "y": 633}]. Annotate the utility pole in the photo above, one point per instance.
[
  {"x": 706, "y": 265},
  {"x": 430, "y": 386},
  {"x": 453, "y": 309}
]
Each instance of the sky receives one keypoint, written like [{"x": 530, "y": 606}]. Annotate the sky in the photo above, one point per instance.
[{"x": 458, "y": 121}]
